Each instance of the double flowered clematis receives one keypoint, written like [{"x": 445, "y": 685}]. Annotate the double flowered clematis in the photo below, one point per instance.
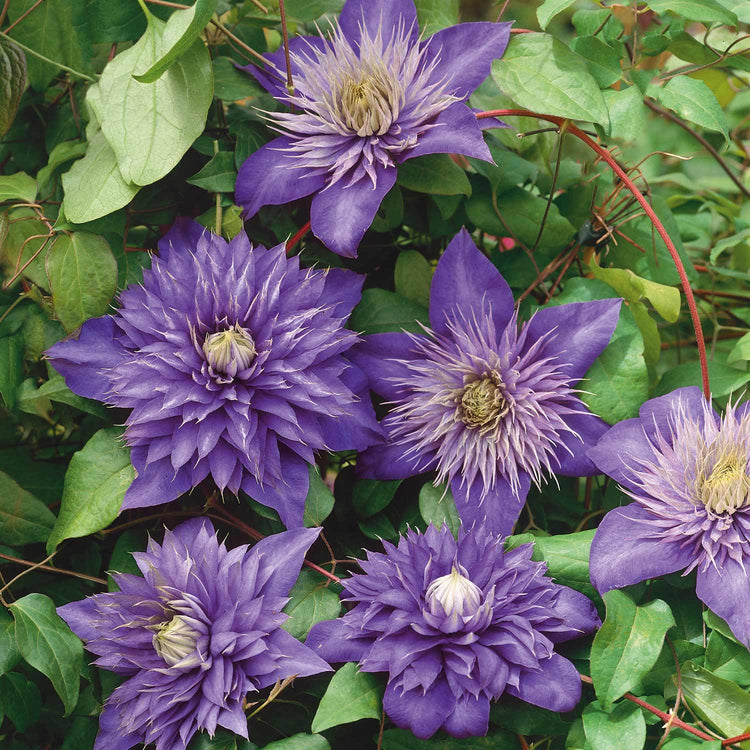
[
  {"x": 366, "y": 99},
  {"x": 456, "y": 624},
  {"x": 688, "y": 472},
  {"x": 230, "y": 359},
  {"x": 489, "y": 405},
  {"x": 194, "y": 635}
]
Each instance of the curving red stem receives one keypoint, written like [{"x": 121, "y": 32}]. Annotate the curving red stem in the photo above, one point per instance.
[{"x": 630, "y": 185}]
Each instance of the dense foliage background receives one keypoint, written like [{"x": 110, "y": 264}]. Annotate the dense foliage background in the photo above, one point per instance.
[{"x": 663, "y": 84}]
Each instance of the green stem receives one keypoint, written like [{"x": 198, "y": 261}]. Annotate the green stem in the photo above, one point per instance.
[{"x": 36, "y": 54}]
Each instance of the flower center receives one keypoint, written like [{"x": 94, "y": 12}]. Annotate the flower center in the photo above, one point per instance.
[
  {"x": 481, "y": 403},
  {"x": 230, "y": 351},
  {"x": 727, "y": 487},
  {"x": 456, "y": 593},
  {"x": 175, "y": 640},
  {"x": 367, "y": 104}
]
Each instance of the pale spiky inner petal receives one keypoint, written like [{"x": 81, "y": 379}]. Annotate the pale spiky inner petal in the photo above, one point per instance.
[
  {"x": 697, "y": 483},
  {"x": 484, "y": 403},
  {"x": 356, "y": 108},
  {"x": 456, "y": 594},
  {"x": 175, "y": 640},
  {"x": 229, "y": 351}
]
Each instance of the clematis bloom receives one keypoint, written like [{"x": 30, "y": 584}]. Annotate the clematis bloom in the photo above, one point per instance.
[
  {"x": 230, "y": 358},
  {"x": 366, "y": 99},
  {"x": 194, "y": 635},
  {"x": 688, "y": 472},
  {"x": 488, "y": 405},
  {"x": 456, "y": 624}
]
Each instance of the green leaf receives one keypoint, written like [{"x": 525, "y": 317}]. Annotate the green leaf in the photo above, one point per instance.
[
  {"x": 17, "y": 186},
  {"x": 309, "y": 10},
  {"x": 56, "y": 390},
  {"x": 627, "y": 113},
  {"x": 232, "y": 84},
  {"x": 401, "y": 739},
  {"x": 437, "y": 174},
  {"x": 300, "y": 742},
  {"x": 380, "y": 311},
  {"x": 115, "y": 22},
  {"x": 566, "y": 555},
  {"x": 222, "y": 740},
  {"x": 627, "y": 645},
  {"x": 436, "y": 505},
  {"x": 9, "y": 653},
  {"x": 617, "y": 382},
  {"x": 83, "y": 276},
  {"x": 524, "y": 718},
  {"x": 413, "y": 277},
  {"x": 310, "y": 602},
  {"x": 665, "y": 299},
  {"x": 180, "y": 33},
  {"x": 690, "y": 743},
  {"x": 94, "y": 185},
  {"x": 11, "y": 367},
  {"x": 122, "y": 560},
  {"x": 21, "y": 700},
  {"x": 370, "y": 496},
  {"x": 45, "y": 642},
  {"x": 151, "y": 125},
  {"x": 98, "y": 476},
  {"x": 58, "y": 30},
  {"x": 740, "y": 351},
  {"x": 721, "y": 703},
  {"x": 549, "y": 9},
  {"x": 728, "y": 659},
  {"x": 319, "y": 501},
  {"x": 704, "y": 11},
  {"x": 604, "y": 62},
  {"x": 434, "y": 15},
  {"x": 60, "y": 154},
  {"x": 541, "y": 74},
  {"x": 12, "y": 82},
  {"x": 218, "y": 176},
  {"x": 378, "y": 527},
  {"x": 351, "y": 695},
  {"x": 727, "y": 243},
  {"x": 724, "y": 379},
  {"x": 23, "y": 518},
  {"x": 522, "y": 212},
  {"x": 623, "y": 728},
  {"x": 694, "y": 101}
]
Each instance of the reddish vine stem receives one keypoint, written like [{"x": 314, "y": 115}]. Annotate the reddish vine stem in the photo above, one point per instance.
[
  {"x": 253, "y": 534},
  {"x": 663, "y": 715},
  {"x": 51, "y": 569},
  {"x": 23, "y": 15},
  {"x": 297, "y": 237},
  {"x": 738, "y": 738},
  {"x": 605, "y": 155}
]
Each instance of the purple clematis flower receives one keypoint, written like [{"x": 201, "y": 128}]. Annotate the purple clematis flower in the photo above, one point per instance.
[
  {"x": 199, "y": 631},
  {"x": 365, "y": 100},
  {"x": 457, "y": 624},
  {"x": 488, "y": 405},
  {"x": 688, "y": 471},
  {"x": 230, "y": 358}
]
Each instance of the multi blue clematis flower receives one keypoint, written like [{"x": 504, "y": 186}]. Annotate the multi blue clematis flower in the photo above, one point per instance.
[
  {"x": 456, "y": 624},
  {"x": 366, "y": 99},
  {"x": 231, "y": 361},
  {"x": 688, "y": 472},
  {"x": 193, "y": 636},
  {"x": 489, "y": 405}
]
